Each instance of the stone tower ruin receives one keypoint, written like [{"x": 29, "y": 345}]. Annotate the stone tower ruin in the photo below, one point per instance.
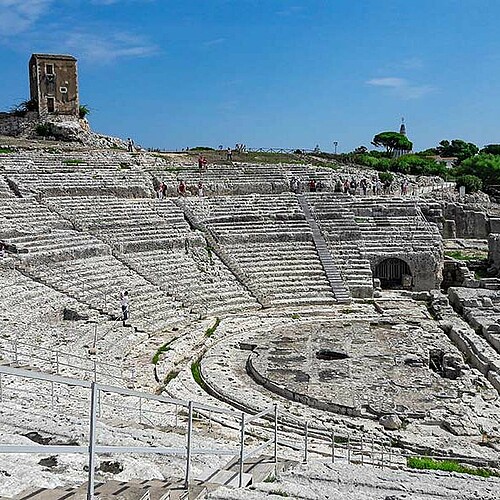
[{"x": 54, "y": 84}]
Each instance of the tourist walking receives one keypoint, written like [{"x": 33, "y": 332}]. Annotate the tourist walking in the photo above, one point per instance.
[
  {"x": 229, "y": 155},
  {"x": 200, "y": 189},
  {"x": 312, "y": 186},
  {"x": 181, "y": 190},
  {"x": 130, "y": 145},
  {"x": 160, "y": 191},
  {"x": 124, "y": 306}
]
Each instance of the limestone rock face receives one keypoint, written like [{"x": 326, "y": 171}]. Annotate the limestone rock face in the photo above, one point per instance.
[
  {"x": 452, "y": 365},
  {"x": 59, "y": 127},
  {"x": 390, "y": 422}
]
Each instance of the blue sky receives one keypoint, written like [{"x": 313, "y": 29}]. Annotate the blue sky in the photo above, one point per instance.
[{"x": 268, "y": 73}]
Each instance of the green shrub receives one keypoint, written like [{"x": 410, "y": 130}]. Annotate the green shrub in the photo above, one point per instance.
[
  {"x": 6, "y": 151},
  {"x": 385, "y": 177},
  {"x": 83, "y": 111},
  {"x": 43, "y": 129},
  {"x": 484, "y": 166},
  {"x": 201, "y": 148},
  {"x": 23, "y": 107},
  {"x": 472, "y": 183}
]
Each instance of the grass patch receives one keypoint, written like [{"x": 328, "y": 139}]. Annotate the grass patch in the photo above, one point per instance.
[
  {"x": 211, "y": 330},
  {"x": 70, "y": 162},
  {"x": 6, "y": 151},
  {"x": 347, "y": 310},
  {"x": 196, "y": 372},
  {"x": 480, "y": 273},
  {"x": 124, "y": 165},
  {"x": 447, "y": 465},
  {"x": 170, "y": 376},
  {"x": 295, "y": 316},
  {"x": 466, "y": 256},
  {"x": 270, "y": 479},
  {"x": 162, "y": 349}
]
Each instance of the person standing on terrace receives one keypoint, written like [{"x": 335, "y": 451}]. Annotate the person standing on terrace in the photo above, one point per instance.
[
  {"x": 124, "y": 306},
  {"x": 182, "y": 188}
]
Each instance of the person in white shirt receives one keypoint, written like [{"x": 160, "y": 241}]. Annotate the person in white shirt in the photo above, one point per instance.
[{"x": 124, "y": 304}]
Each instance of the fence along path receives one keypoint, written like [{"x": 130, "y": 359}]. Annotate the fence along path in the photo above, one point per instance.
[{"x": 273, "y": 428}]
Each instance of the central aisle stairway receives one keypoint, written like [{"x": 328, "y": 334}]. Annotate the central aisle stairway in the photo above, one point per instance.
[{"x": 331, "y": 270}]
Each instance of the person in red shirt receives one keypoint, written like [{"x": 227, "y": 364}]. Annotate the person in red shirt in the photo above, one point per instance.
[{"x": 182, "y": 188}]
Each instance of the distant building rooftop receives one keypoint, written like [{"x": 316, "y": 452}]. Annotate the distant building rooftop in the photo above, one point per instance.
[{"x": 54, "y": 56}]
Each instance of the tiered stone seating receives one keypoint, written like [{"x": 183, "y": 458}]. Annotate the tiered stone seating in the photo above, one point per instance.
[
  {"x": 40, "y": 162},
  {"x": 306, "y": 173},
  {"x": 33, "y": 314},
  {"x": 57, "y": 245},
  {"x": 97, "y": 282},
  {"x": 128, "y": 225},
  {"x": 362, "y": 230},
  {"x": 79, "y": 182},
  {"x": 225, "y": 179},
  {"x": 269, "y": 240},
  {"x": 286, "y": 273},
  {"x": 343, "y": 234},
  {"x": 253, "y": 217},
  {"x": 5, "y": 191},
  {"x": 26, "y": 216},
  {"x": 196, "y": 278}
]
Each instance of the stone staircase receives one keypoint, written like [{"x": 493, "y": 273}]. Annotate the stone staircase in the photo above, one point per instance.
[
  {"x": 331, "y": 270},
  {"x": 255, "y": 470}
]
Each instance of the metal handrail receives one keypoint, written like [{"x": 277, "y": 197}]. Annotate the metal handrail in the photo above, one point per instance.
[{"x": 56, "y": 358}]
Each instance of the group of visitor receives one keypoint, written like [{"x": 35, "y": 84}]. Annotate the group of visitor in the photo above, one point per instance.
[
  {"x": 182, "y": 190},
  {"x": 298, "y": 186},
  {"x": 370, "y": 186}
]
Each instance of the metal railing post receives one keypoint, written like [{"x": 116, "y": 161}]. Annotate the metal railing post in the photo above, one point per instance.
[
  {"x": 92, "y": 440},
  {"x": 275, "y": 433},
  {"x": 373, "y": 453},
  {"x": 348, "y": 448},
  {"x": 140, "y": 410},
  {"x": 15, "y": 350},
  {"x": 242, "y": 450},
  {"x": 361, "y": 449},
  {"x": 306, "y": 436},
  {"x": 1, "y": 400},
  {"x": 52, "y": 394},
  {"x": 189, "y": 444},
  {"x": 333, "y": 447},
  {"x": 57, "y": 362}
]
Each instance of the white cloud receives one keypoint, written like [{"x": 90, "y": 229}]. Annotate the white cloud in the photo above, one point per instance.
[
  {"x": 401, "y": 87},
  {"x": 109, "y": 47},
  {"x": 212, "y": 43},
  {"x": 18, "y": 16},
  {"x": 388, "y": 82},
  {"x": 88, "y": 42}
]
